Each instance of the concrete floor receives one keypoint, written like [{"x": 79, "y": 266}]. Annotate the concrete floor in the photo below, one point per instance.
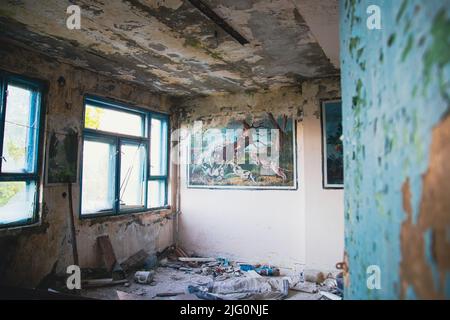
[{"x": 167, "y": 280}]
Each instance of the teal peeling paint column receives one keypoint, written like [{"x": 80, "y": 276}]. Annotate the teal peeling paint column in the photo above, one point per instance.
[{"x": 396, "y": 98}]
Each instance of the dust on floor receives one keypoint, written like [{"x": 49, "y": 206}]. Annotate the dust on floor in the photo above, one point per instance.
[{"x": 169, "y": 281}]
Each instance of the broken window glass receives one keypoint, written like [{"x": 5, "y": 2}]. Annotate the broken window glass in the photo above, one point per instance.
[{"x": 132, "y": 176}]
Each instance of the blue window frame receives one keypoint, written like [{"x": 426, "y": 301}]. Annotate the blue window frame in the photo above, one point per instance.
[
  {"x": 20, "y": 122},
  {"x": 125, "y": 159}
]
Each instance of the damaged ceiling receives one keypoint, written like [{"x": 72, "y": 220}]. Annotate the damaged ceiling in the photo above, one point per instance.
[{"x": 169, "y": 46}]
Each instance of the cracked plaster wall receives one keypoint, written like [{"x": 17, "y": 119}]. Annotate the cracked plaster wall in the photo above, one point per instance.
[{"x": 28, "y": 254}]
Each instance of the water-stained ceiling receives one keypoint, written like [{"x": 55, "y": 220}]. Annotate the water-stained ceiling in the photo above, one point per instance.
[{"x": 170, "y": 46}]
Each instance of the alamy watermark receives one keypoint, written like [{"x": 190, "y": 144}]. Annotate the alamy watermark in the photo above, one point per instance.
[
  {"x": 73, "y": 21},
  {"x": 74, "y": 279},
  {"x": 374, "y": 19},
  {"x": 373, "y": 281}
]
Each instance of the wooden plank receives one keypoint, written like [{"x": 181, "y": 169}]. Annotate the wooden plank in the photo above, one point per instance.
[
  {"x": 186, "y": 259},
  {"x": 136, "y": 261},
  {"x": 109, "y": 257},
  {"x": 94, "y": 283}
]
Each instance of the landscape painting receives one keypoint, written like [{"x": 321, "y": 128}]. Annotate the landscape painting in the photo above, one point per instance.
[
  {"x": 253, "y": 153},
  {"x": 62, "y": 157}
]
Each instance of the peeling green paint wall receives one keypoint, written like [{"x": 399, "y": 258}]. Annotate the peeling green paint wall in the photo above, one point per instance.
[{"x": 396, "y": 98}]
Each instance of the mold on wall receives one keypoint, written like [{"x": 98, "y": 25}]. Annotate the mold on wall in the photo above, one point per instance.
[
  {"x": 30, "y": 253},
  {"x": 284, "y": 228},
  {"x": 395, "y": 108}
]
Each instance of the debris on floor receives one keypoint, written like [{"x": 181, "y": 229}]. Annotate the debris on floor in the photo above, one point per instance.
[
  {"x": 144, "y": 277},
  {"x": 263, "y": 270},
  {"x": 174, "y": 275}
]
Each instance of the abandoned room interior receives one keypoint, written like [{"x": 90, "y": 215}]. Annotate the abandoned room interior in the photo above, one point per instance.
[{"x": 225, "y": 149}]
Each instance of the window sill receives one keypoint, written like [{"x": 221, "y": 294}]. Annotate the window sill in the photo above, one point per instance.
[
  {"x": 16, "y": 228},
  {"x": 164, "y": 212}
]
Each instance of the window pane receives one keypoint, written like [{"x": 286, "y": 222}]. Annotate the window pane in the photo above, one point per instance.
[
  {"x": 99, "y": 161},
  {"x": 132, "y": 171},
  {"x": 19, "y": 143},
  {"x": 17, "y": 201},
  {"x": 113, "y": 121},
  {"x": 158, "y": 152},
  {"x": 156, "y": 193}
]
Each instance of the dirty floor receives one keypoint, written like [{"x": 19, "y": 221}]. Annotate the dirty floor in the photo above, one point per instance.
[{"x": 167, "y": 280}]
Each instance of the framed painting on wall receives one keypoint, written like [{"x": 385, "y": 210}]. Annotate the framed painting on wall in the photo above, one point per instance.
[
  {"x": 332, "y": 145},
  {"x": 258, "y": 152},
  {"x": 62, "y": 157}
]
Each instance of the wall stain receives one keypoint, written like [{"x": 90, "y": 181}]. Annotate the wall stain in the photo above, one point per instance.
[{"x": 415, "y": 269}]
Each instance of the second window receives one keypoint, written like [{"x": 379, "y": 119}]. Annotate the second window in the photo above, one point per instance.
[{"x": 124, "y": 165}]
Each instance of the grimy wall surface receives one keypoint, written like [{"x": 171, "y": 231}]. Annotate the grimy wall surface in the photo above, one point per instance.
[
  {"x": 30, "y": 253},
  {"x": 396, "y": 96}
]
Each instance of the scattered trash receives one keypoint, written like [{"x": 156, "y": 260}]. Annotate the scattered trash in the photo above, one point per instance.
[
  {"x": 308, "y": 287},
  {"x": 184, "y": 269},
  {"x": 121, "y": 295},
  {"x": 214, "y": 278},
  {"x": 144, "y": 277},
  {"x": 263, "y": 270},
  {"x": 332, "y": 285},
  {"x": 329, "y": 296},
  {"x": 302, "y": 277},
  {"x": 243, "y": 288},
  {"x": 253, "y": 274},
  {"x": 224, "y": 261},
  {"x": 316, "y": 277}
]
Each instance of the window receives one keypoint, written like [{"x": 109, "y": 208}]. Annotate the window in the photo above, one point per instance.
[
  {"x": 19, "y": 145},
  {"x": 333, "y": 165},
  {"x": 124, "y": 163}
]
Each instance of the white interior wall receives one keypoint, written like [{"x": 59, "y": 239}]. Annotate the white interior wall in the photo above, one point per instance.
[
  {"x": 324, "y": 207},
  {"x": 281, "y": 227}
]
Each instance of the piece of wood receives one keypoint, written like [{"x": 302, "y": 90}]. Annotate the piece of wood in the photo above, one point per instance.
[
  {"x": 183, "y": 252},
  {"x": 135, "y": 261},
  {"x": 109, "y": 257},
  {"x": 193, "y": 259},
  {"x": 94, "y": 283},
  {"x": 73, "y": 232},
  {"x": 169, "y": 294}
]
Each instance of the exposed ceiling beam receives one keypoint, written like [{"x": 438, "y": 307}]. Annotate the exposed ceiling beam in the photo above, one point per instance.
[{"x": 207, "y": 11}]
